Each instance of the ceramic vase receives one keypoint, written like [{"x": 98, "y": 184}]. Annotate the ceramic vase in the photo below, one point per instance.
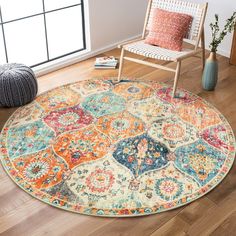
[{"x": 210, "y": 73}]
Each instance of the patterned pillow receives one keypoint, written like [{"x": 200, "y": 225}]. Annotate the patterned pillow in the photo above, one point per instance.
[{"x": 168, "y": 29}]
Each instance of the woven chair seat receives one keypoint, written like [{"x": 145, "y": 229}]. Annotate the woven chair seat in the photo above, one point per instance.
[{"x": 155, "y": 52}]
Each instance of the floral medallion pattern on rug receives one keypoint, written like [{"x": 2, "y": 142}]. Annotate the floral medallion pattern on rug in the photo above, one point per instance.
[
  {"x": 81, "y": 146},
  {"x": 217, "y": 136},
  {"x": 58, "y": 98},
  {"x": 102, "y": 104},
  {"x": 165, "y": 94},
  {"x": 27, "y": 114},
  {"x": 173, "y": 132},
  {"x": 198, "y": 115},
  {"x": 141, "y": 154},
  {"x": 88, "y": 87},
  {"x": 29, "y": 138},
  {"x": 120, "y": 125},
  {"x": 133, "y": 90},
  {"x": 199, "y": 160},
  {"x": 126, "y": 149},
  {"x": 149, "y": 109},
  {"x": 67, "y": 119},
  {"x": 42, "y": 169}
]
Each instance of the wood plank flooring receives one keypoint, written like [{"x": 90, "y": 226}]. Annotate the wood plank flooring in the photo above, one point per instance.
[{"x": 213, "y": 214}]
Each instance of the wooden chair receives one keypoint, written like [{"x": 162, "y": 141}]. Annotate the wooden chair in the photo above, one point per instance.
[{"x": 194, "y": 36}]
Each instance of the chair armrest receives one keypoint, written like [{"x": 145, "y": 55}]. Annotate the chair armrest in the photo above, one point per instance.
[{"x": 130, "y": 41}]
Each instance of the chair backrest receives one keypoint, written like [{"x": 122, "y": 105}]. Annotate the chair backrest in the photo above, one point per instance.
[{"x": 197, "y": 11}]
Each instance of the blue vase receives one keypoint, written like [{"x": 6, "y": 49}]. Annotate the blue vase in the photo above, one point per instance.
[{"x": 210, "y": 73}]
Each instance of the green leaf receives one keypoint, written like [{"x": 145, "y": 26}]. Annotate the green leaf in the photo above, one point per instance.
[{"x": 218, "y": 37}]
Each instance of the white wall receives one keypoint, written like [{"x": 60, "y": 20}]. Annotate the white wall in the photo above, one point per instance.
[
  {"x": 225, "y": 9},
  {"x": 108, "y": 23},
  {"x": 112, "y": 21}
]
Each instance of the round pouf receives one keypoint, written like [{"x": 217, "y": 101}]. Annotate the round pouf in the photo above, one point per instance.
[{"x": 18, "y": 85}]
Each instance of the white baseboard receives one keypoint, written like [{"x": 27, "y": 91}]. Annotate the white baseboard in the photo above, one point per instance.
[
  {"x": 223, "y": 53},
  {"x": 72, "y": 59}
]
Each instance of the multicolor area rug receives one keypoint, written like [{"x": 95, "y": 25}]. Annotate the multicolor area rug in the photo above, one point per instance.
[{"x": 128, "y": 149}]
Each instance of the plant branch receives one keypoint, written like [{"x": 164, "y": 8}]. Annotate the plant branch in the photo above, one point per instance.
[{"x": 217, "y": 36}]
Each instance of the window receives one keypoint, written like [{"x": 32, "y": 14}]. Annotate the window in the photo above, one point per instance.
[{"x": 39, "y": 31}]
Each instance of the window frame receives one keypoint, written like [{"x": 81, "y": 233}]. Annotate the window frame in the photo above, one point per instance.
[{"x": 2, "y": 23}]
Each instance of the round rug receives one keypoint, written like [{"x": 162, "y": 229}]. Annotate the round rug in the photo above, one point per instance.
[{"x": 125, "y": 149}]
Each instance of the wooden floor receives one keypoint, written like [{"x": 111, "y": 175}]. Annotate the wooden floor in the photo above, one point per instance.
[{"x": 214, "y": 214}]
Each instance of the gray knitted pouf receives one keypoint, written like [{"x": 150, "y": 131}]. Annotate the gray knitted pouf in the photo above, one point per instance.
[{"x": 18, "y": 85}]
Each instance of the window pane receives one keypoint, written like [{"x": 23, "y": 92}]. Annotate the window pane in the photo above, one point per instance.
[
  {"x": 2, "y": 51},
  {"x": 55, "y": 4},
  {"x": 26, "y": 41},
  {"x": 65, "y": 33},
  {"x": 12, "y": 9}
]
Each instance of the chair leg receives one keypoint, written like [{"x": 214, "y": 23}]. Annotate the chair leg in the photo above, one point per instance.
[
  {"x": 203, "y": 59},
  {"x": 121, "y": 64},
  {"x": 203, "y": 49},
  {"x": 177, "y": 74}
]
